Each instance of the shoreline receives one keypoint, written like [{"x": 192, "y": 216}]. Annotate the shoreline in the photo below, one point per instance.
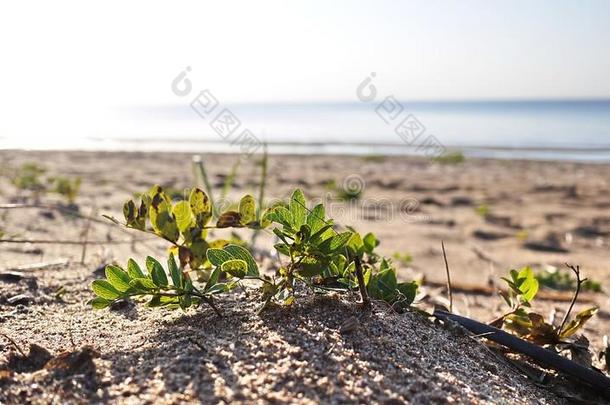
[{"x": 584, "y": 155}]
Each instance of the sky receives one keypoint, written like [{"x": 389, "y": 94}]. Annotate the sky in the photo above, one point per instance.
[{"x": 64, "y": 64}]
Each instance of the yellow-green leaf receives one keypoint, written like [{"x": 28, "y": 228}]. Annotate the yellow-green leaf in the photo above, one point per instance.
[
  {"x": 200, "y": 207},
  {"x": 184, "y": 215},
  {"x": 235, "y": 267},
  {"x": 247, "y": 209},
  {"x": 581, "y": 318},
  {"x": 104, "y": 289},
  {"x": 117, "y": 277}
]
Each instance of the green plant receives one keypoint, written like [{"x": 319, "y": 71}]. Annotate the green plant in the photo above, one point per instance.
[
  {"x": 374, "y": 158},
  {"x": 523, "y": 321},
  {"x": 349, "y": 194},
  {"x": 483, "y": 210},
  {"x": 229, "y": 180},
  {"x": 406, "y": 259},
  {"x": 450, "y": 158},
  {"x": 557, "y": 280},
  {"x": 66, "y": 187},
  {"x": 317, "y": 256},
  {"x": 27, "y": 177}
]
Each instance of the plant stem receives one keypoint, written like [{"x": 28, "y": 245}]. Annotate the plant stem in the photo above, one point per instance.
[
  {"x": 228, "y": 184},
  {"x": 200, "y": 168},
  {"x": 363, "y": 293},
  {"x": 261, "y": 193},
  {"x": 579, "y": 282}
]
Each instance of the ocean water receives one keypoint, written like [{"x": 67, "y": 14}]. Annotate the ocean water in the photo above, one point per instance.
[{"x": 556, "y": 130}]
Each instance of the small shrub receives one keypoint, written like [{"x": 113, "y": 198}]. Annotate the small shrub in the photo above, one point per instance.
[
  {"x": 373, "y": 158},
  {"x": 525, "y": 322},
  {"x": 406, "y": 259},
  {"x": 450, "y": 158},
  {"x": 561, "y": 281},
  {"x": 66, "y": 187},
  {"x": 316, "y": 255},
  {"x": 28, "y": 177}
]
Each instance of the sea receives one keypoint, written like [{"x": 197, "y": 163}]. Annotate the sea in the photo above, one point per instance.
[{"x": 577, "y": 130}]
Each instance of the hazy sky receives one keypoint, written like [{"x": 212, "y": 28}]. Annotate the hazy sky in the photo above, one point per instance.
[{"x": 58, "y": 58}]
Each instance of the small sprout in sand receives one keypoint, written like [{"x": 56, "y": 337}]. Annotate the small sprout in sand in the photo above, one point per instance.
[
  {"x": 483, "y": 210},
  {"x": 554, "y": 279},
  {"x": 28, "y": 177},
  {"x": 66, "y": 187},
  {"x": 525, "y": 322},
  {"x": 522, "y": 235},
  {"x": 450, "y": 158},
  {"x": 374, "y": 158},
  {"x": 405, "y": 259},
  {"x": 346, "y": 192}
]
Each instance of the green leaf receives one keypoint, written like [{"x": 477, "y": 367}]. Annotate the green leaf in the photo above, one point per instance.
[
  {"x": 334, "y": 243},
  {"x": 323, "y": 233},
  {"x": 383, "y": 285},
  {"x": 133, "y": 269},
  {"x": 408, "y": 291},
  {"x": 132, "y": 218},
  {"x": 104, "y": 289},
  {"x": 184, "y": 215},
  {"x": 218, "y": 256},
  {"x": 185, "y": 301},
  {"x": 213, "y": 280},
  {"x": 142, "y": 284},
  {"x": 242, "y": 253},
  {"x": 265, "y": 218},
  {"x": 298, "y": 209},
  {"x": 174, "y": 271},
  {"x": 355, "y": 245},
  {"x": 201, "y": 207},
  {"x": 337, "y": 242},
  {"x": 156, "y": 272},
  {"x": 235, "y": 267},
  {"x": 370, "y": 242},
  {"x": 247, "y": 209},
  {"x": 99, "y": 303},
  {"x": 310, "y": 267},
  {"x": 282, "y": 248},
  {"x": 198, "y": 250},
  {"x": 118, "y": 278},
  {"x": 155, "y": 301},
  {"x": 282, "y": 216},
  {"x": 315, "y": 219},
  {"x": 527, "y": 284}
]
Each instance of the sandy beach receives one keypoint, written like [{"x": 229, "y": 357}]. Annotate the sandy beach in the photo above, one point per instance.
[{"x": 492, "y": 215}]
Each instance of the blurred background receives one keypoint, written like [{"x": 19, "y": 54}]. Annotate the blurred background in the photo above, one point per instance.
[{"x": 495, "y": 79}]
